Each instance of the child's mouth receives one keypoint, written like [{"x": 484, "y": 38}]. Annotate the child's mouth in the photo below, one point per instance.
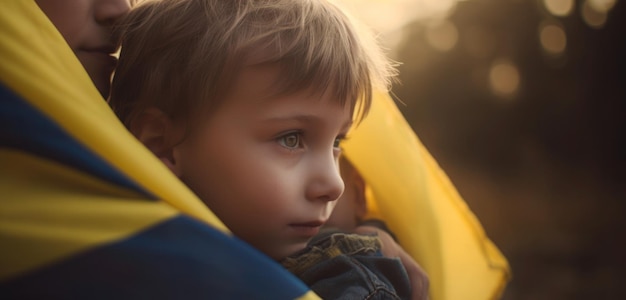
[{"x": 308, "y": 229}]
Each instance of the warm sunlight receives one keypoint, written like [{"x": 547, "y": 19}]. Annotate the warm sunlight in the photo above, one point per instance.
[{"x": 387, "y": 16}]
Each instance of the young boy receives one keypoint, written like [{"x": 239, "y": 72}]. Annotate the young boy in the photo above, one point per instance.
[{"x": 247, "y": 103}]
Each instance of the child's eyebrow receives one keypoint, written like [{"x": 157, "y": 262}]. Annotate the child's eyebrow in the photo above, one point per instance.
[{"x": 305, "y": 118}]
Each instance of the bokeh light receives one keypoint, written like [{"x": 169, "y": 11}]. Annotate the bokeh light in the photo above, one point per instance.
[
  {"x": 559, "y": 8},
  {"x": 602, "y": 6},
  {"x": 593, "y": 16},
  {"x": 553, "y": 38},
  {"x": 504, "y": 78}
]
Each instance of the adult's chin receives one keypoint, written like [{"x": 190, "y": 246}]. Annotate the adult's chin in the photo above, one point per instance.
[{"x": 99, "y": 67}]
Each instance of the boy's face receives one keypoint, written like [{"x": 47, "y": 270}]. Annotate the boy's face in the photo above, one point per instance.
[
  {"x": 268, "y": 167},
  {"x": 86, "y": 27}
]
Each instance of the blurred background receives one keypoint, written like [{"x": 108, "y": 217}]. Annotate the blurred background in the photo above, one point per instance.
[{"x": 523, "y": 104}]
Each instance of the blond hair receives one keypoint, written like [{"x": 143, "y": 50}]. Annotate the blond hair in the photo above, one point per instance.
[{"x": 179, "y": 54}]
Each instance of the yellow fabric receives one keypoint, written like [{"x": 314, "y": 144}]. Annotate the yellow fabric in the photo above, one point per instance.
[
  {"x": 411, "y": 193},
  {"x": 310, "y": 295}
]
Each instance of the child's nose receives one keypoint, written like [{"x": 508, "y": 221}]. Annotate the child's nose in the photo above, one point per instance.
[{"x": 326, "y": 183}]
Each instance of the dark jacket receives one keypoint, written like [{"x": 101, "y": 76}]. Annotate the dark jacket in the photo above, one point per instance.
[{"x": 349, "y": 266}]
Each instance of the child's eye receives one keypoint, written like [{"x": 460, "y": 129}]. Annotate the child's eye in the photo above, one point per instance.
[
  {"x": 290, "y": 140},
  {"x": 338, "y": 141}
]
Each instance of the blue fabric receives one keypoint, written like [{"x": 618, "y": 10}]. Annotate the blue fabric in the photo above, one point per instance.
[
  {"x": 24, "y": 128},
  {"x": 178, "y": 259}
]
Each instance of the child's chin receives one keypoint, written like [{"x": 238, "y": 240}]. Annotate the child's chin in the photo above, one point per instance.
[{"x": 290, "y": 250}]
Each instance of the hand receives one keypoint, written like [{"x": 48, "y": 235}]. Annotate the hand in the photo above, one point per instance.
[{"x": 417, "y": 276}]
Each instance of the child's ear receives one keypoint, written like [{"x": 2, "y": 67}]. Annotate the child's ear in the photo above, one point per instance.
[{"x": 158, "y": 132}]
